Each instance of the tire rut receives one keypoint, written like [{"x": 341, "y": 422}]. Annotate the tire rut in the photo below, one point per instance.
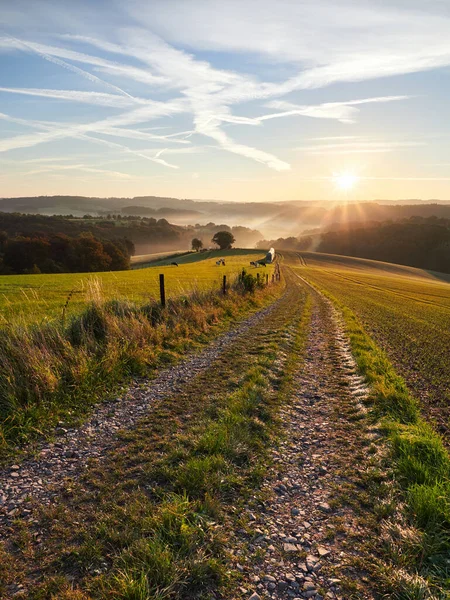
[{"x": 299, "y": 542}]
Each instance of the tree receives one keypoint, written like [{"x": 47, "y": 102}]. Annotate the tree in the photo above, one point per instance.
[
  {"x": 224, "y": 239},
  {"x": 22, "y": 254},
  {"x": 120, "y": 259},
  {"x": 197, "y": 244}
]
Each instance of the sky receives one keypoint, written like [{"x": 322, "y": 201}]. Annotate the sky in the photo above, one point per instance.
[{"x": 249, "y": 100}]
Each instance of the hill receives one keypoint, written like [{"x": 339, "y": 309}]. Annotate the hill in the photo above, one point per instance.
[
  {"x": 274, "y": 219},
  {"x": 149, "y": 235},
  {"x": 418, "y": 242}
]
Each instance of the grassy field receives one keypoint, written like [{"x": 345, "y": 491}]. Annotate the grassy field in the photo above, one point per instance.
[
  {"x": 34, "y": 298},
  {"x": 405, "y": 310}
]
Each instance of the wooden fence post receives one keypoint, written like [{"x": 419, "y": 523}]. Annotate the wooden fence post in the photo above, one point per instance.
[
  {"x": 224, "y": 285},
  {"x": 267, "y": 279},
  {"x": 257, "y": 278},
  {"x": 162, "y": 290},
  {"x": 273, "y": 278}
]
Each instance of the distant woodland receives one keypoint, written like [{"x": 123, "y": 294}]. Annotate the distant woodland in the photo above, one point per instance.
[
  {"x": 33, "y": 243},
  {"x": 275, "y": 219},
  {"x": 416, "y": 242}
]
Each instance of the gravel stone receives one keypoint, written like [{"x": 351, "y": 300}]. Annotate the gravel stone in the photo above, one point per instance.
[{"x": 305, "y": 474}]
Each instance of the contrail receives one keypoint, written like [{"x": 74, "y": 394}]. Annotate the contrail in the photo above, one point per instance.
[{"x": 65, "y": 65}]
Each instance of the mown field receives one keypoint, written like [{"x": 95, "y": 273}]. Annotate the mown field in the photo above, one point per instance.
[
  {"x": 407, "y": 312},
  {"x": 34, "y": 298}
]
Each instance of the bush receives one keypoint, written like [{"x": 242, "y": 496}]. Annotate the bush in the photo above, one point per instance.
[{"x": 248, "y": 283}]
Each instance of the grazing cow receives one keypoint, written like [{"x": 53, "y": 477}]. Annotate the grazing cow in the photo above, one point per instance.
[
  {"x": 262, "y": 263},
  {"x": 253, "y": 263},
  {"x": 174, "y": 264},
  {"x": 219, "y": 262}
]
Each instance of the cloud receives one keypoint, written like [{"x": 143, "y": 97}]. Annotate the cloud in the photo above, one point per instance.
[
  {"x": 358, "y": 147},
  {"x": 316, "y": 43},
  {"x": 328, "y": 41},
  {"x": 55, "y": 54},
  {"x": 97, "y": 98},
  {"x": 78, "y": 167},
  {"x": 342, "y": 111},
  {"x": 56, "y": 131}
]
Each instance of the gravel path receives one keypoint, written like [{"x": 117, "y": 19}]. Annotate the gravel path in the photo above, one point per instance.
[
  {"x": 40, "y": 479},
  {"x": 297, "y": 542}
]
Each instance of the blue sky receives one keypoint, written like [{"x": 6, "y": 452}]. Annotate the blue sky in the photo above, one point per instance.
[{"x": 237, "y": 100}]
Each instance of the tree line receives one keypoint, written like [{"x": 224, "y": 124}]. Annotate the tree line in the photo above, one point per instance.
[
  {"x": 417, "y": 242},
  {"x": 422, "y": 242},
  {"x": 61, "y": 253}
]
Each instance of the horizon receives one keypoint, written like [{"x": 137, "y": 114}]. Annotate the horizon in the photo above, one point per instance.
[
  {"x": 339, "y": 101},
  {"x": 404, "y": 201}
]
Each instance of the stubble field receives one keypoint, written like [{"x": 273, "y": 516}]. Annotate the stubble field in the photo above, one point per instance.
[{"x": 405, "y": 310}]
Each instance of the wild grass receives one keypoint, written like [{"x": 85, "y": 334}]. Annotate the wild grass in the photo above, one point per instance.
[
  {"x": 56, "y": 372},
  {"x": 422, "y": 470}
]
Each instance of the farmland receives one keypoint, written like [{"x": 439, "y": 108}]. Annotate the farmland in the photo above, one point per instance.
[
  {"x": 286, "y": 436},
  {"x": 405, "y": 310},
  {"x": 34, "y": 298}
]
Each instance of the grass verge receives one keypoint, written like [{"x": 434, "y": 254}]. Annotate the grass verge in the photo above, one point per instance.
[
  {"x": 52, "y": 373},
  {"x": 416, "y": 549}
]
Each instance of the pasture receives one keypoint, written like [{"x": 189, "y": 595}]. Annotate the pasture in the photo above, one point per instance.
[
  {"x": 36, "y": 298},
  {"x": 405, "y": 310}
]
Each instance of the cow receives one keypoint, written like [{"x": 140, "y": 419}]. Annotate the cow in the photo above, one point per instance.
[{"x": 174, "y": 264}]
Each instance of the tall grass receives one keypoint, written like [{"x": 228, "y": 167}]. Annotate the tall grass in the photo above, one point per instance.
[{"x": 56, "y": 371}]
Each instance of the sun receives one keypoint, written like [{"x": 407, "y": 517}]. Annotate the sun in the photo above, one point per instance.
[{"x": 345, "y": 181}]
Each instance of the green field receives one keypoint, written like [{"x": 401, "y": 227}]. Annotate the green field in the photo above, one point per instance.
[
  {"x": 406, "y": 311},
  {"x": 34, "y": 298}
]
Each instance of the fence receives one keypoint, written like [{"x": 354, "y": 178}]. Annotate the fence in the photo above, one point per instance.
[{"x": 276, "y": 276}]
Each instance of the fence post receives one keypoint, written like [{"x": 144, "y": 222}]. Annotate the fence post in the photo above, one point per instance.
[
  {"x": 267, "y": 279},
  {"x": 162, "y": 290},
  {"x": 224, "y": 285},
  {"x": 257, "y": 278},
  {"x": 273, "y": 277}
]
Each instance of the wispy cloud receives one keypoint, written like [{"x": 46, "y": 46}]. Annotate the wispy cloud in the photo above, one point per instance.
[
  {"x": 317, "y": 44},
  {"x": 342, "y": 111},
  {"x": 96, "y": 98},
  {"x": 358, "y": 147},
  {"x": 78, "y": 167}
]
